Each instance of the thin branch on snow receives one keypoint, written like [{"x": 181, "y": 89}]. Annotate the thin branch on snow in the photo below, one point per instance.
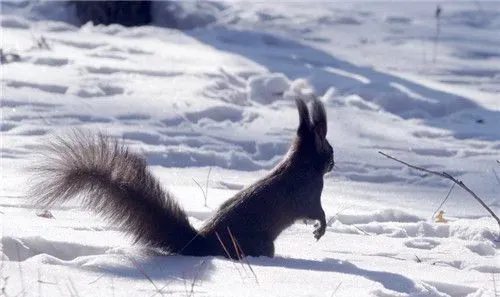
[
  {"x": 496, "y": 176},
  {"x": 336, "y": 289},
  {"x": 445, "y": 199},
  {"x": 494, "y": 284},
  {"x": 195, "y": 278},
  {"x": 204, "y": 192},
  {"x": 448, "y": 176},
  {"x": 143, "y": 272}
]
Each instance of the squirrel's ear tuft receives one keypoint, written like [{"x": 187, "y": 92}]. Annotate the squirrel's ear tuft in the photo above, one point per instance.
[
  {"x": 304, "y": 122},
  {"x": 318, "y": 118}
]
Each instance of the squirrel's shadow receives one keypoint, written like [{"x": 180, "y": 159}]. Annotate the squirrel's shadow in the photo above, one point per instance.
[
  {"x": 160, "y": 268},
  {"x": 165, "y": 268},
  {"x": 391, "y": 281}
]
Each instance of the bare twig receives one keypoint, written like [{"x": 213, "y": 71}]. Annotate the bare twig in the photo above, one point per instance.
[
  {"x": 250, "y": 266},
  {"x": 3, "y": 279},
  {"x": 241, "y": 254},
  {"x": 223, "y": 245},
  {"x": 494, "y": 285},
  {"x": 39, "y": 282},
  {"x": 228, "y": 255},
  {"x": 95, "y": 281},
  {"x": 184, "y": 281},
  {"x": 189, "y": 242},
  {"x": 58, "y": 286},
  {"x": 161, "y": 290},
  {"x": 236, "y": 248},
  {"x": 196, "y": 276},
  {"x": 141, "y": 270},
  {"x": 438, "y": 30},
  {"x": 206, "y": 185},
  {"x": 23, "y": 287},
  {"x": 73, "y": 287},
  {"x": 336, "y": 289},
  {"x": 40, "y": 43},
  {"x": 364, "y": 232},
  {"x": 204, "y": 192},
  {"x": 496, "y": 176},
  {"x": 332, "y": 219},
  {"x": 448, "y": 176},
  {"x": 3, "y": 291},
  {"x": 445, "y": 198},
  {"x": 70, "y": 291}
]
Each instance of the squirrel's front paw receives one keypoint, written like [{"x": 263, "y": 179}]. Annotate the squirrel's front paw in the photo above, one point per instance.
[{"x": 319, "y": 231}]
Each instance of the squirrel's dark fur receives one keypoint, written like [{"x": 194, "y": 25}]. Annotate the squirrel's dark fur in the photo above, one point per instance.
[{"x": 117, "y": 184}]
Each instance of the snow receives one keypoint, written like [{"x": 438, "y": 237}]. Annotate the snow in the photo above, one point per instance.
[{"x": 219, "y": 96}]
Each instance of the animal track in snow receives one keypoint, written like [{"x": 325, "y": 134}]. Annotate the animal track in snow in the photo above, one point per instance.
[
  {"x": 30, "y": 131},
  {"x": 430, "y": 134},
  {"x": 128, "y": 50},
  {"x": 133, "y": 117},
  {"x": 487, "y": 268},
  {"x": 452, "y": 289},
  {"x": 49, "y": 88},
  {"x": 49, "y": 61},
  {"x": 4, "y": 127},
  {"x": 217, "y": 113},
  {"x": 107, "y": 56},
  {"x": 422, "y": 243},
  {"x": 19, "y": 103},
  {"x": 113, "y": 70},
  {"x": 398, "y": 20},
  {"x": 21, "y": 249},
  {"x": 435, "y": 152},
  {"x": 95, "y": 90},
  {"x": 481, "y": 248},
  {"x": 144, "y": 137},
  {"x": 80, "y": 118},
  {"x": 85, "y": 45},
  {"x": 14, "y": 22}
]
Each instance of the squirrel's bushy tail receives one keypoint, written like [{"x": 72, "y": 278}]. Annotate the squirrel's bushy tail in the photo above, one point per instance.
[{"x": 114, "y": 183}]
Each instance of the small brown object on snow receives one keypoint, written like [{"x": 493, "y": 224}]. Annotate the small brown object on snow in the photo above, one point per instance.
[{"x": 440, "y": 218}]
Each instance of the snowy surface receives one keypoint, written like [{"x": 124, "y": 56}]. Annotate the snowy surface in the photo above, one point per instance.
[{"x": 219, "y": 96}]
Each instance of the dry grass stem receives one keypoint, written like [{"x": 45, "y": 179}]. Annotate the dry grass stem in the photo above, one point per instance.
[{"x": 448, "y": 176}]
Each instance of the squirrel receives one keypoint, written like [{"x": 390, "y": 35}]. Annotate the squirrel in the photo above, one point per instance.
[{"x": 117, "y": 184}]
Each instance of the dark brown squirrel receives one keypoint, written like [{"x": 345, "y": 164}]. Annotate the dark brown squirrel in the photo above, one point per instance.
[{"x": 118, "y": 185}]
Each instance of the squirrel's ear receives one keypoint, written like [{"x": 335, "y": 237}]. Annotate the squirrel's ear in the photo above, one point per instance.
[
  {"x": 304, "y": 122},
  {"x": 318, "y": 118}
]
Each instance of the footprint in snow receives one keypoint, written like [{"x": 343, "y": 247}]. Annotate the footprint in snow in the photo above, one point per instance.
[
  {"x": 114, "y": 70},
  {"x": 49, "y": 88},
  {"x": 49, "y": 61},
  {"x": 422, "y": 243}
]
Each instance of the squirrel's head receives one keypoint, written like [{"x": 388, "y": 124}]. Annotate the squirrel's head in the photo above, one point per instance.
[{"x": 311, "y": 143}]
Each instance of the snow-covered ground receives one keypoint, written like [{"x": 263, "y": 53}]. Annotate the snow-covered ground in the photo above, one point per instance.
[{"x": 219, "y": 97}]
